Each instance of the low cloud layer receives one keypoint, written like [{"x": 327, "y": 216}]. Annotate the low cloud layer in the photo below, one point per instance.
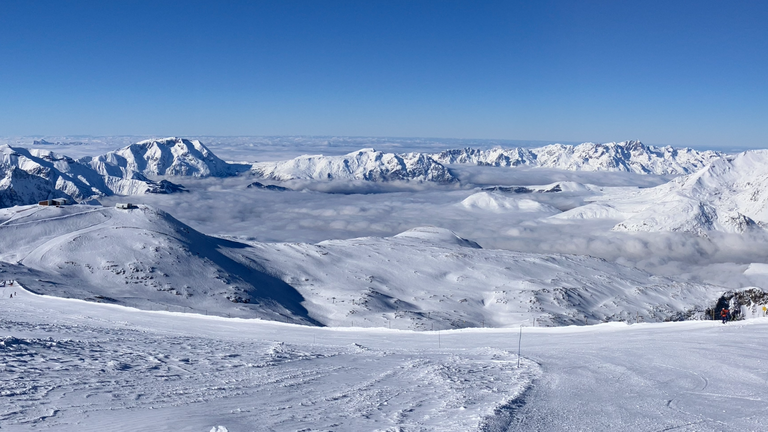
[{"x": 226, "y": 207}]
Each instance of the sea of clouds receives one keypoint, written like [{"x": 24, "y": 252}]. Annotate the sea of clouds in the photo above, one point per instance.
[{"x": 317, "y": 211}]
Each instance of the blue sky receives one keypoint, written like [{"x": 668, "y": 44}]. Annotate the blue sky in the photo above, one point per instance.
[{"x": 669, "y": 72}]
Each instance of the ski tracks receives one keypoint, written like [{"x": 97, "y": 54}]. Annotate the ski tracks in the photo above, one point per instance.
[{"x": 61, "y": 375}]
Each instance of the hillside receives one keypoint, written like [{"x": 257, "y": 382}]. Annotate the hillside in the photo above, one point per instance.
[
  {"x": 428, "y": 277},
  {"x": 728, "y": 195},
  {"x": 421, "y": 278},
  {"x": 140, "y": 257}
]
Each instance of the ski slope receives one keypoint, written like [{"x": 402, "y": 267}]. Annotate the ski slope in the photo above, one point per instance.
[{"x": 70, "y": 365}]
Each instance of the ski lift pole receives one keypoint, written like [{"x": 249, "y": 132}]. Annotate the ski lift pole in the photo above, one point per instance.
[{"x": 519, "y": 344}]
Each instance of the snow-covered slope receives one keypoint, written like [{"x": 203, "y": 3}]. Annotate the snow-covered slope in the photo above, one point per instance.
[
  {"x": 628, "y": 156},
  {"x": 729, "y": 195},
  {"x": 429, "y": 278},
  {"x": 366, "y": 164},
  {"x": 418, "y": 279},
  {"x": 169, "y": 156},
  {"x": 141, "y": 257}
]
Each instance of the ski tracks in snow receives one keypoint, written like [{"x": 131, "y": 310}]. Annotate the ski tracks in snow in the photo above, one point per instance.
[{"x": 87, "y": 373}]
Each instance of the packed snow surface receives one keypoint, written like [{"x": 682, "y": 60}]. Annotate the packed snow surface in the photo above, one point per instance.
[{"x": 69, "y": 365}]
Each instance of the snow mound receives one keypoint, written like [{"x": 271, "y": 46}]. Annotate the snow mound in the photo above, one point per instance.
[
  {"x": 590, "y": 211},
  {"x": 627, "y": 156},
  {"x": 760, "y": 269},
  {"x": 365, "y": 164},
  {"x": 496, "y": 202},
  {"x": 438, "y": 236}
]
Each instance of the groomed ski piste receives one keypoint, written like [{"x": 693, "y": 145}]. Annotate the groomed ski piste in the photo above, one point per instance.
[{"x": 73, "y": 365}]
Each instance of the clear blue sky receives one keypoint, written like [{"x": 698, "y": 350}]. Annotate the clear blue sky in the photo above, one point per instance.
[{"x": 668, "y": 72}]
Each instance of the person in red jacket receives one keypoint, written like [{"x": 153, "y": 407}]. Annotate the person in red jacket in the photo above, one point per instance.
[{"x": 725, "y": 314}]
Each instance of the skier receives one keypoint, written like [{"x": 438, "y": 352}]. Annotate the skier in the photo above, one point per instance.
[{"x": 725, "y": 314}]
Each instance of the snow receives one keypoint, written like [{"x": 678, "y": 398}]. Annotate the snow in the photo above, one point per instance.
[
  {"x": 124, "y": 369},
  {"x": 591, "y": 211},
  {"x": 140, "y": 257},
  {"x": 496, "y": 202},
  {"x": 728, "y": 195},
  {"x": 73, "y": 365},
  {"x": 366, "y": 164},
  {"x": 29, "y": 176},
  {"x": 384, "y": 307},
  {"x": 627, "y": 156},
  {"x": 424, "y": 278},
  {"x": 170, "y": 156}
]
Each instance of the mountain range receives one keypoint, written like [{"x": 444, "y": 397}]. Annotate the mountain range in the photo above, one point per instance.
[
  {"x": 713, "y": 191},
  {"x": 627, "y": 156},
  {"x": 365, "y": 164},
  {"x": 31, "y": 175}
]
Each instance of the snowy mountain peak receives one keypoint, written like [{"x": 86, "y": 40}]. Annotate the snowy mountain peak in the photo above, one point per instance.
[
  {"x": 627, "y": 156},
  {"x": 366, "y": 164},
  {"x": 31, "y": 175},
  {"x": 167, "y": 156}
]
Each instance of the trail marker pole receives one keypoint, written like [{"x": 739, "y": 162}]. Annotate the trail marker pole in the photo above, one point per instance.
[{"x": 519, "y": 344}]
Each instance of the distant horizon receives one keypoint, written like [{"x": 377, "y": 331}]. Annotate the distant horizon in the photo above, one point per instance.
[{"x": 483, "y": 142}]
